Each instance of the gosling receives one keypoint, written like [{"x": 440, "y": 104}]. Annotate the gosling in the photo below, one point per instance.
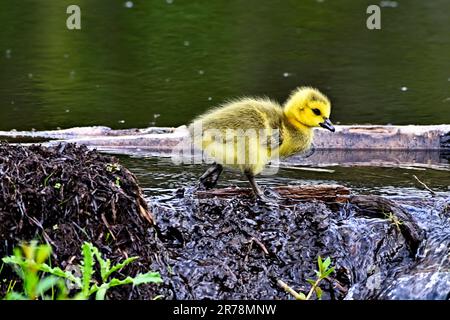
[{"x": 275, "y": 131}]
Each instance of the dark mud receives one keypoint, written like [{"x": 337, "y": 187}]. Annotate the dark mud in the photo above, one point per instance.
[
  {"x": 221, "y": 248},
  {"x": 236, "y": 249},
  {"x": 67, "y": 195}
]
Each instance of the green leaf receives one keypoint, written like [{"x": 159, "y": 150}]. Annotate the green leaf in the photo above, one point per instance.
[
  {"x": 88, "y": 267},
  {"x": 79, "y": 296},
  {"x": 121, "y": 265},
  {"x": 48, "y": 177},
  {"x": 326, "y": 263},
  {"x": 311, "y": 282},
  {"x": 29, "y": 284},
  {"x": 60, "y": 273},
  {"x": 15, "y": 296},
  {"x": 301, "y": 296},
  {"x": 149, "y": 277},
  {"x": 62, "y": 290},
  {"x": 42, "y": 253},
  {"x": 104, "y": 264},
  {"x": 318, "y": 292},
  {"x": 12, "y": 260},
  {"x": 18, "y": 264},
  {"x": 46, "y": 284},
  {"x": 101, "y": 293},
  {"x": 328, "y": 272},
  {"x": 320, "y": 264}
]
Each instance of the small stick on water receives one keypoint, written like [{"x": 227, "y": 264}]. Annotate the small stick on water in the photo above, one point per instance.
[
  {"x": 424, "y": 185},
  {"x": 305, "y": 168}
]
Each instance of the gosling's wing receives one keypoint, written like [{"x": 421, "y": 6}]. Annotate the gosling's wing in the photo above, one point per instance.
[{"x": 274, "y": 139}]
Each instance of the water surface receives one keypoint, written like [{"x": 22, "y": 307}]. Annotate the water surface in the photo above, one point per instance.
[{"x": 165, "y": 61}]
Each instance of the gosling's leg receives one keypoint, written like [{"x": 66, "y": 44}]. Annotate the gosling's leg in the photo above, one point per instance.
[
  {"x": 209, "y": 179},
  {"x": 255, "y": 187},
  {"x": 267, "y": 195}
]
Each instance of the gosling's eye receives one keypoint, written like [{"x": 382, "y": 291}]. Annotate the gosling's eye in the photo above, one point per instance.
[{"x": 316, "y": 112}]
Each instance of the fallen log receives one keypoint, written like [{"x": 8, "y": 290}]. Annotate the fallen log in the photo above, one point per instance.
[
  {"x": 356, "y": 137},
  {"x": 379, "y": 207},
  {"x": 385, "y": 146},
  {"x": 325, "y": 193}
]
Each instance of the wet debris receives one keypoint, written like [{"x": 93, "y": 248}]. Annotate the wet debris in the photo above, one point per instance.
[
  {"x": 66, "y": 195},
  {"x": 221, "y": 245}
]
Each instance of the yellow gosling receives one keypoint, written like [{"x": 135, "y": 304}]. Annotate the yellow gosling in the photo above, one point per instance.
[{"x": 248, "y": 133}]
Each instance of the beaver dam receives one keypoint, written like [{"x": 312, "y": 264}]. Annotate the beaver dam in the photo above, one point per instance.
[{"x": 387, "y": 230}]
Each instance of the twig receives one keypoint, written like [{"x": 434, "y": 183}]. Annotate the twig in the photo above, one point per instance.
[
  {"x": 424, "y": 185},
  {"x": 290, "y": 290},
  {"x": 313, "y": 288},
  {"x": 337, "y": 285},
  {"x": 304, "y": 168},
  {"x": 108, "y": 227},
  {"x": 260, "y": 244}
]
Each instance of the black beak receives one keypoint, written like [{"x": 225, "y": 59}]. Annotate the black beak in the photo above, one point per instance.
[{"x": 327, "y": 125}]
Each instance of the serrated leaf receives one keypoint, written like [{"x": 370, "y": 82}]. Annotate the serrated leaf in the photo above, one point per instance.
[
  {"x": 15, "y": 296},
  {"x": 12, "y": 260},
  {"x": 101, "y": 292},
  {"x": 79, "y": 296},
  {"x": 149, "y": 277},
  {"x": 17, "y": 263},
  {"x": 60, "y": 273},
  {"x": 104, "y": 264},
  {"x": 87, "y": 268},
  {"x": 120, "y": 265},
  {"x": 46, "y": 284}
]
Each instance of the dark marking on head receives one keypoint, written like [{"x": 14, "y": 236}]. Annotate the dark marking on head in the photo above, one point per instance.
[{"x": 316, "y": 98}]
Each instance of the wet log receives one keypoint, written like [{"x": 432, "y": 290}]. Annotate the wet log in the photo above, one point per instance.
[
  {"x": 326, "y": 193},
  {"x": 387, "y": 146},
  {"x": 355, "y": 137},
  {"x": 379, "y": 207}
]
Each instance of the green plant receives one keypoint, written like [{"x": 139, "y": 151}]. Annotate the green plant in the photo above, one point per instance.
[
  {"x": 324, "y": 271},
  {"x": 394, "y": 220},
  {"x": 113, "y": 167},
  {"x": 29, "y": 263}
]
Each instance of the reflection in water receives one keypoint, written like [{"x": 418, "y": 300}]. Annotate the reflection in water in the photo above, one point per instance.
[
  {"x": 130, "y": 64},
  {"x": 158, "y": 176}
]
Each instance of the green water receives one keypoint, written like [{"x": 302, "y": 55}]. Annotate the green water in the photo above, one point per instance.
[
  {"x": 167, "y": 61},
  {"x": 163, "y": 62}
]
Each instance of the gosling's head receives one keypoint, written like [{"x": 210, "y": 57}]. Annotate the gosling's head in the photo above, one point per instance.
[{"x": 308, "y": 107}]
